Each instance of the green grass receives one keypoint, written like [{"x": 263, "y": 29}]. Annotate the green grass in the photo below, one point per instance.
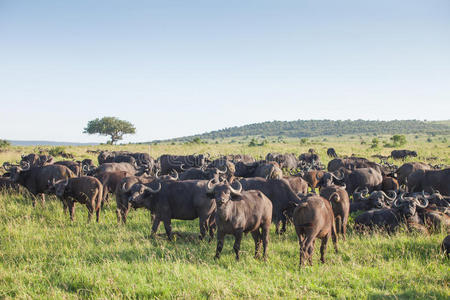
[{"x": 44, "y": 255}]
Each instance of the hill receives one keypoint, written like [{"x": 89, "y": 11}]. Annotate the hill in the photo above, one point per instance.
[
  {"x": 311, "y": 128},
  {"x": 48, "y": 143}
]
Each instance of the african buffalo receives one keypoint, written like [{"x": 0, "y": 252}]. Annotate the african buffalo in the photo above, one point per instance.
[
  {"x": 314, "y": 218},
  {"x": 241, "y": 212},
  {"x": 85, "y": 190},
  {"x": 406, "y": 169},
  {"x": 280, "y": 194},
  {"x": 36, "y": 179},
  {"x": 430, "y": 180},
  {"x": 402, "y": 154},
  {"x": 331, "y": 152},
  {"x": 170, "y": 163},
  {"x": 403, "y": 211},
  {"x": 340, "y": 202},
  {"x": 181, "y": 200}
]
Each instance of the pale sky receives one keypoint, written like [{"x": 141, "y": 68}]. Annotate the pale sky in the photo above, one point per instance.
[{"x": 176, "y": 68}]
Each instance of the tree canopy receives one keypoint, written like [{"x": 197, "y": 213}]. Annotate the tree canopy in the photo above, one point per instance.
[{"x": 110, "y": 126}]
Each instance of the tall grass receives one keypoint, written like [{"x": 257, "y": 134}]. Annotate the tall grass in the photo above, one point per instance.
[{"x": 44, "y": 255}]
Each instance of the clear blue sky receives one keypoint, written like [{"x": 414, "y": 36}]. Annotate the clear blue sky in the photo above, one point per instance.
[{"x": 176, "y": 68}]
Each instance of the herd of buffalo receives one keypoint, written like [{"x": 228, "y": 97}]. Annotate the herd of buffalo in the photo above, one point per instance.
[{"x": 237, "y": 194}]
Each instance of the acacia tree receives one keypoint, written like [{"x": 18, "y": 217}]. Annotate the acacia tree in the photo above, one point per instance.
[{"x": 111, "y": 126}]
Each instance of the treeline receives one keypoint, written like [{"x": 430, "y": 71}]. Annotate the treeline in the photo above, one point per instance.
[{"x": 311, "y": 128}]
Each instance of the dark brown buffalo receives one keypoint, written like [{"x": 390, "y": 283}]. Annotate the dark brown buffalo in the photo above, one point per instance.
[
  {"x": 331, "y": 152},
  {"x": 363, "y": 178},
  {"x": 285, "y": 161},
  {"x": 74, "y": 166},
  {"x": 402, "y": 154},
  {"x": 241, "y": 212},
  {"x": 85, "y": 190},
  {"x": 313, "y": 178},
  {"x": 314, "y": 218},
  {"x": 445, "y": 246},
  {"x": 110, "y": 182},
  {"x": 403, "y": 211},
  {"x": 298, "y": 184},
  {"x": 180, "y": 200},
  {"x": 114, "y": 167},
  {"x": 406, "y": 169},
  {"x": 377, "y": 199},
  {"x": 352, "y": 163},
  {"x": 266, "y": 170},
  {"x": 36, "y": 179},
  {"x": 340, "y": 202},
  {"x": 170, "y": 163},
  {"x": 429, "y": 181},
  {"x": 279, "y": 192},
  {"x": 389, "y": 184},
  {"x": 36, "y": 160}
]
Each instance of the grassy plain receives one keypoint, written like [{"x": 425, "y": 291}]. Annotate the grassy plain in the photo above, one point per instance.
[{"x": 44, "y": 255}]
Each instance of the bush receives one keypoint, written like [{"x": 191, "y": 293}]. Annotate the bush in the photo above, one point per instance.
[
  {"x": 398, "y": 140},
  {"x": 60, "y": 151},
  {"x": 4, "y": 144}
]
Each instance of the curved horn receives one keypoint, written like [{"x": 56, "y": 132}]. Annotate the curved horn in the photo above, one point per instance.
[
  {"x": 175, "y": 177},
  {"x": 395, "y": 204},
  {"x": 209, "y": 187},
  {"x": 236, "y": 192},
  {"x": 337, "y": 178},
  {"x": 157, "y": 174},
  {"x": 6, "y": 166},
  {"x": 124, "y": 187},
  {"x": 424, "y": 204},
  {"x": 336, "y": 195},
  {"x": 155, "y": 191},
  {"x": 223, "y": 172},
  {"x": 390, "y": 199},
  {"x": 182, "y": 167}
]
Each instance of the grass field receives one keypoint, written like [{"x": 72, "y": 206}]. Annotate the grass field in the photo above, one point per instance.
[{"x": 44, "y": 255}]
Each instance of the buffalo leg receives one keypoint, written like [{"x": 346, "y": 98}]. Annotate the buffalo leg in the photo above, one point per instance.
[
  {"x": 220, "y": 241},
  {"x": 71, "y": 206},
  {"x": 97, "y": 214},
  {"x": 265, "y": 239},
  {"x": 203, "y": 223},
  {"x": 90, "y": 211},
  {"x": 323, "y": 248},
  {"x": 257, "y": 238},
  {"x": 168, "y": 228},
  {"x": 237, "y": 242},
  {"x": 156, "y": 224}
]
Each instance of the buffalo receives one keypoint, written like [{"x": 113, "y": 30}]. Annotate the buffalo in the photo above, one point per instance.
[
  {"x": 241, "y": 212},
  {"x": 340, "y": 202},
  {"x": 36, "y": 179},
  {"x": 170, "y": 163},
  {"x": 85, "y": 190},
  {"x": 181, "y": 200},
  {"x": 402, "y": 154},
  {"x": 331, "y": 152},
  {"x": 279, "y": 192},
  {"x": 314, "y": 218},
  {"x": 430, "y": 180},
  {"x": 403, "y": 211}
]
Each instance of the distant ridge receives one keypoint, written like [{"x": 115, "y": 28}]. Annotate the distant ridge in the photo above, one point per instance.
[
  {"x": 48, "y": 143},
  {"x": 311, "y": 128}
]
